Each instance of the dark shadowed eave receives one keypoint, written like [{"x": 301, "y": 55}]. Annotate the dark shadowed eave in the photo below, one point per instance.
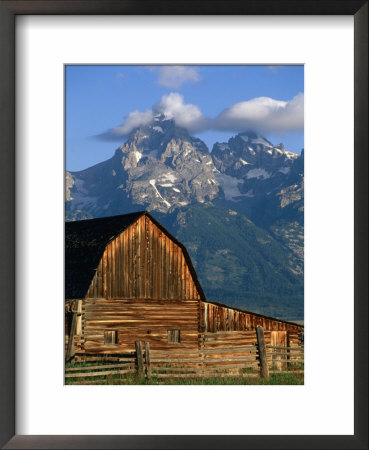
[{"x": 85, "y": 242}]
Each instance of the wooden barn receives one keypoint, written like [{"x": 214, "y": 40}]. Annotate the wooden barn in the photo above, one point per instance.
[{"x": 128, "y": 279}]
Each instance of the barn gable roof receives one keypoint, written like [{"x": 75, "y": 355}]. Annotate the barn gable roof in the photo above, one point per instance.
[{"x": 85, "y": 241}]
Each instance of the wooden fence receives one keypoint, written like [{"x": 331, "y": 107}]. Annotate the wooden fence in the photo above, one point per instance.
[
  {"x": 222, "y": 354},
  {"x": 102, "y": 366}
]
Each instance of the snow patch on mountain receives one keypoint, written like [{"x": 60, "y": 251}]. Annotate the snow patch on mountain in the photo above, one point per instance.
[
  {"x": 258, "y": 173},
  {"x": 229, "y": 185},
  {"x": 168, "y": 177},
  {"x": 291, "y": 155},
  {"x": 138, "y": 155},
  {"x": 158, "y": 129},
  {"x": 153, "y": 184}
]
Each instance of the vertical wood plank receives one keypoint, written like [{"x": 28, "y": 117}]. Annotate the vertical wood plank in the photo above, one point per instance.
[
  {"x": 107, "y": 271},
  {"x": 125, "y": 264},
  {"x": 117, "y": 266},
  {"x": 104, "y": 274},
  {"x": 138, "y": 260},
  {"x": 188, "y": 296},
  {"x": 117, "y": 274},
  {"x": 143, "y": 267},
  {"x": 180, "y": 276},
  {"x": 112, "y": 263},
  {"x": 164, "y": 266},
  {"x": 147, "y": 247},
  {"x": 167, "y": 268},
  {"x": 175, "y": 271},
  {"x": 121, "y": 265},
  {"x": 130, "y": 262},
  {"x": 139, "y": 356},
  {"x": 160, "y": 262},
  {"x": 153, "y": 256},
  {"x": 99, "y": 278},
  {"x": 95, "y": 284},
  {"x": 133, "y": 260},
  {"x": 171, "y": 269},
  {"x": 152, "y": 261},
  {"x": 182, "y": 291},
  {"x": 206, "y": 317},
  {"x": 147, "y": 359},
  {"x": 264, "y": 369}
]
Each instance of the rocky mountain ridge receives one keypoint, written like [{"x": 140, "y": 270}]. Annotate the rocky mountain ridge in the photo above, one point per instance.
[
  {"x": 162, "y": 167},
  {"x": 159, "y": 167}
]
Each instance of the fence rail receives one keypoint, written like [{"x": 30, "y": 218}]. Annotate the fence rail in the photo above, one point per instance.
[
  {"x": 225, "y": 354},
  {"x": 100, "y": 370}
]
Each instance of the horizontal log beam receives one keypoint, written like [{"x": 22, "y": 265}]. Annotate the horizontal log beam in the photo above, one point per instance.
[
  {"x": 98, "y": 374},
  {"x": 105, "y": 366}
]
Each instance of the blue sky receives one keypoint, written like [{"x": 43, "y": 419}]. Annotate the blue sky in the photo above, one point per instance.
[{"x": 103, "y": 103}]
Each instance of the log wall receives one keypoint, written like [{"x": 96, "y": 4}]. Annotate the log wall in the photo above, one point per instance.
[
  {"x": 143, "y": 262},
  {"x": 215, "y": 318},
  {"x": 139, "y": 320}
]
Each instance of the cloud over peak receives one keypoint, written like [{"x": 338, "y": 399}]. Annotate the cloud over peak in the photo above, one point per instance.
[
  {"x": 261, "y": 114},
  {"x": 185, "y": 115},
  {"x": 134, "y": 120}
]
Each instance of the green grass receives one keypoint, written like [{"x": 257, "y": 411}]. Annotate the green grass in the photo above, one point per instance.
[
  {"x": 289, "y": 378},
  {"x": 134, "y": 379}
]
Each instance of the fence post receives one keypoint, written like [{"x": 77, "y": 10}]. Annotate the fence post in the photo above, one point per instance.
[
  {"x": 147, "y": 359},
  {"x": 139, "y": 356},
  {"x": 284, "y": 343},
  {"x": 288, "y": 350},
  {"x": 264, "y": 369}
]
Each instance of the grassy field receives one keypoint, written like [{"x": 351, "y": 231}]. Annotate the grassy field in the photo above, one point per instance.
[{"x": 134, "y": 379}]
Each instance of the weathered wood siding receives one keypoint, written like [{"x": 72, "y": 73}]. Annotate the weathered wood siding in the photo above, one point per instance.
[
  {"x": 214, "y": 318},
  {"x": 143, "y": 262},
  {"x": 139, "y": 320}
]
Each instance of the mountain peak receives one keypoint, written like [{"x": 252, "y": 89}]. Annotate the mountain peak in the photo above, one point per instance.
[
  {"x": 162, "y": 128},
  {"x": 161, "y": 117},
  {"x": 250, "y": 134},
  {"x": 253, "y": 138}
]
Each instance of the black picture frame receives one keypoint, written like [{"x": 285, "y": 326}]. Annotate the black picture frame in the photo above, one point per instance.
[{"x": 8, "y": 12}]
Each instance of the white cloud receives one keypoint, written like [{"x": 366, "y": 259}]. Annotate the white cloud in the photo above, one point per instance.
[
  {"x": 174, "y": 76},
  {"x": 185, "y": 115},
  {"x": 262, "y": 114},
  {"x": 133, "y": 120}
]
